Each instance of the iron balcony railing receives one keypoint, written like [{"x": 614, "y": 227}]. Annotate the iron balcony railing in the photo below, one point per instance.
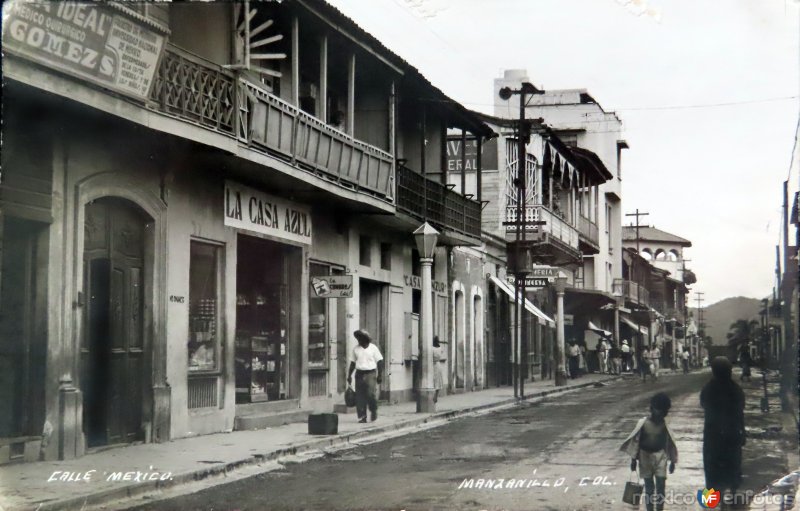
[
  {"x": 203, "y": 93},
  {"x": 588, "y": 230},
  {"x": 426, "y": 199},
  {"x": 553, "y": 225}
]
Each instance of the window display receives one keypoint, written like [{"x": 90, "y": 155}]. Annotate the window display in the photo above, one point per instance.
[{"x": 203, "y": 342}]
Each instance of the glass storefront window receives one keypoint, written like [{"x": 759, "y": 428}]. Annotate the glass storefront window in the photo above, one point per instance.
[
  {"x": 317, "y": 323},
  {"x": 204, "y": 341}
]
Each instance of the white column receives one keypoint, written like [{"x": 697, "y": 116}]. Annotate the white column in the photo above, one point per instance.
[
  {"x": 295, "y": 62},
  {"x": 425, "y": 402},
  {"x": 322, "y": 111},
  {"x": 351, "y": 94},
  {"x": 560, "y": 377}
]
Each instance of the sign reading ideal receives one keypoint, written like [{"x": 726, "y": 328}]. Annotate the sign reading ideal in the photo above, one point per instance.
[
  {"x": 332, "y": 286},
  {"x": 88, "y": 40},
  {"x": 246, "y": 208}
]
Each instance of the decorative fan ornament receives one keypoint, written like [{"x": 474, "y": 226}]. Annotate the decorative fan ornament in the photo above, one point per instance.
[{"x": 252, "y": 52}]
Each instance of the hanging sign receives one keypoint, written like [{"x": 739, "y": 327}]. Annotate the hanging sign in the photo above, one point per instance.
[
  {"x": 252, "y": 210},
  {"x": 92, "y": 41},
  {"x": 332, "y": 286},
  {"x": 530, "y": 282}
]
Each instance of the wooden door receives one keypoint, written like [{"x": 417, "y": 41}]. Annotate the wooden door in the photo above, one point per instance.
[
  {"x": 112, "y": 354},
  {"x": 373, "y": 320}
]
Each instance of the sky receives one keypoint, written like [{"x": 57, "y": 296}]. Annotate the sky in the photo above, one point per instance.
[{"x": 707, "y": 91}]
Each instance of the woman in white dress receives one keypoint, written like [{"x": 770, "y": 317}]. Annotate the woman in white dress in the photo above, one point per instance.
[{"x": 438, "y": 359}]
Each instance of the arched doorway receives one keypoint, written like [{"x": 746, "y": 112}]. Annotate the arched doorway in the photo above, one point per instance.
[
  {"x": 477, "y": 341},
  {"x": 117, "y": 237},
  {"x": 459, "y": 339}
]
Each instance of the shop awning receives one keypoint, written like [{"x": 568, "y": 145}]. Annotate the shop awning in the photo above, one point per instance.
[
  {"x": 638, "y": 328},
  {"x": 605, "y": 333},
  {"x": 507, "y": 289}
]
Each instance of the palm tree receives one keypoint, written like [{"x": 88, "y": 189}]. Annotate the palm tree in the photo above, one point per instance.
[{"x": 741, "y": 331}]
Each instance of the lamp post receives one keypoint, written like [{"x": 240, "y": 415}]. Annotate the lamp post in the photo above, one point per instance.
[
  {"x": 561, "y": 372},
  {"x": 425, "y": 237}
]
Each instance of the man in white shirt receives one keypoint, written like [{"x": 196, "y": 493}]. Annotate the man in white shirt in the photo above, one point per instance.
[
  {"x": 367, "y": 362},
  {"x": 655, "y": 359},
  {"x": 626, "y": 355}
]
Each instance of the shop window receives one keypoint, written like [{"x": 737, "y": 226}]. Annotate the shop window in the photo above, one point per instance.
[
  {"x": 365, "y": 251},
  {"x": 386, "y": 256},
  {"x": 416, "y": 301},
  {"x": 204, "y": 339},
  {"x": 317, "y": 323}
]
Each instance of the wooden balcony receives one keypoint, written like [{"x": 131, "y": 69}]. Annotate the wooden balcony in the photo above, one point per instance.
[
  {"x": 426, "y": 199},
  {"x": 554, "y": 226},
  {"x": 636, "y": 293},
  {"x": 205, "y": 94}
]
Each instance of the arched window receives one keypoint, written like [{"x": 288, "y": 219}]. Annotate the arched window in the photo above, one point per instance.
[
  {"x": 661, "y": 255},
  {"x": 647, "y": 254},
  {"x": 673, "y": 255}
]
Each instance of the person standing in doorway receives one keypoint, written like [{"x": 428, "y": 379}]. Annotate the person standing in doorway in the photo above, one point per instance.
[
  {"x": 367, "y": 362},
  {"x": 438, "y": 359}
]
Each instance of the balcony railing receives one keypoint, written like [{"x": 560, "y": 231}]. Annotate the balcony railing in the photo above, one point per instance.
[
  {"x": 426, "y": 199},
  {"x": 635, "y": 292},
  {"x": 203, "y": 93},
  {"x": 553, "y": 225},
  {"x": 588, "y": 230}
]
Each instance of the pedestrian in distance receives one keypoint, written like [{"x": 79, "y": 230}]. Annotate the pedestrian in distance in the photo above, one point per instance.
[
  {"x": 685, "y": 360},
  {"x": 655, "y": 360},
  {"x": 583, "y": 367},
  {"x": 616, "y": 359},
  {"x": 722, "y": 400},
  {"x": 644, "y": 363},
  {"x": 626, "y": 356},
  {"x": 367, "y": 362},
  {"x": 745, "y": 361},
  {"x": 574, "y": 362},
  {"x": 439, "y": 357},
  {"x": 652, "y": 447}
]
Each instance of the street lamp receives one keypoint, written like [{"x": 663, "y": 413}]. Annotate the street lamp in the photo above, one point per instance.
[
  {"x": 561, "y": 373},
  {"x": 425, "y": 237}
]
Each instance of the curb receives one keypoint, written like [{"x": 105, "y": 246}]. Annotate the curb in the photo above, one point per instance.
[{"x": 133, "y": 490}]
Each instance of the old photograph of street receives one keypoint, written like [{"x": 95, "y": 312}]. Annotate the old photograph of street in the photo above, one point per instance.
[{"x": 400, "y": 255}]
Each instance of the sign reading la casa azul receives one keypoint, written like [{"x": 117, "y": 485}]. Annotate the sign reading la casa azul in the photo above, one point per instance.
[
  {"x": 415, "y": 282},
  {"x": 249, "y": 209},
  {"x": 92, "y": 41}
]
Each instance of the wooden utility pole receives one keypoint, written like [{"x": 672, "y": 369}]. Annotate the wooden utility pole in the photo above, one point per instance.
[
  {"x": 700, "y": 323},
  {"x": 637, "y": 215}
]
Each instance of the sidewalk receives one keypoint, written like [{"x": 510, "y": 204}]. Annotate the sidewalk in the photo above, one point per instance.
[{"x": 133, "y": 470}]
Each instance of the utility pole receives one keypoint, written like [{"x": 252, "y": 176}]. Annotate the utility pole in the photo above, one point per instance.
[
  {"x": 521, "y": 225},
  {"x": 786, "y": 292},
  {"x": 637, "y": 215},
  {"x": 701, "y": 325}
]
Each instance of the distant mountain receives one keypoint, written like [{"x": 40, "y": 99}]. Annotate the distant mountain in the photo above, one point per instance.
[{"x": 719, "y": 316}]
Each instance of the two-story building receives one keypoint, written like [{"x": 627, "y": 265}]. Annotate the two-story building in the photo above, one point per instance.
[{"x": 200, "y": 203}]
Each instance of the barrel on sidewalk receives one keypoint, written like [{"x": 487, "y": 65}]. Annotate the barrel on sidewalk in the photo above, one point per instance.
[{"x": 323, "y": 424}]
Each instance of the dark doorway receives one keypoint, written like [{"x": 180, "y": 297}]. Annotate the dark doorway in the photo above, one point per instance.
[
  {"x": 113, "y": 348},
  {"x": 374, "y": 297}
]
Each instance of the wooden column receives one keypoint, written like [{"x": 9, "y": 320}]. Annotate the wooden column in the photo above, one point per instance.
[
  {"x": 323, "y": 79},
  {"x": 479, "y": 164},
  {"x": 296, "y": 62},
  {"x": 392, "y": 120},
  {"x": 351, "y": 94},
  {"x": 463, "y": 162}
]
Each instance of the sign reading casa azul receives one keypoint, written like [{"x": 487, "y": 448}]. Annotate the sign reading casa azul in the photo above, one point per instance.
[
  {"x": 252, "y": 210},
  {"x": 332, "y": 286},
  {"x": 92, "y": 41},
  {"x": 415, "y": 282}
]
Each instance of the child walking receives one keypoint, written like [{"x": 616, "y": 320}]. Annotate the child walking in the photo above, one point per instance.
[{"x": 651, "y": 446}]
